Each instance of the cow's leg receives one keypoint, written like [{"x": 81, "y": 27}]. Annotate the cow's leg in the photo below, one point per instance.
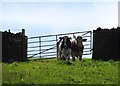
[
  {"x": 68, "y": 57},
  {"x": 59, "y": 55},
  {"x": 69, "y": 54},
  {"x": 73, "y": 57},
  {"x": 64, "y": 58},
  {"x": 80, "y": 58}
]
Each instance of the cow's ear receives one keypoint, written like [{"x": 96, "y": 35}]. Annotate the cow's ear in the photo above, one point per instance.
[
  {"x": 60, "y": 37},
  {"x": 84, "y": 40}
]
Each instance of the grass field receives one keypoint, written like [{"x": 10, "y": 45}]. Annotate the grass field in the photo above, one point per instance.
[{"x": 51, "y": 71}]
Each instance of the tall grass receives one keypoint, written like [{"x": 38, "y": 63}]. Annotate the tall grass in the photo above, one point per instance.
[{"x": 51, "y": 71}]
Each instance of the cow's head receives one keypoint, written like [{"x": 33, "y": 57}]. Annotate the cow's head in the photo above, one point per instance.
[
  {"x": 66, "y": 43},
  {"x": 79, "y": 39}
]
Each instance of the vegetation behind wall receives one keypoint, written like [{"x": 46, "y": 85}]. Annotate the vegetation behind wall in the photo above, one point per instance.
[
  {"x": 14, "y": 46},
  {"x": 106, "y": 44}
]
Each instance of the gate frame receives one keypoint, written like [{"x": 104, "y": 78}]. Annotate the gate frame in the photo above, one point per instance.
[{"x": 56, "y": 39}]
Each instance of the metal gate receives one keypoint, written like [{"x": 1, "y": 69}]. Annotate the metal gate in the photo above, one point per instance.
[{"x": 45, "y": 46}]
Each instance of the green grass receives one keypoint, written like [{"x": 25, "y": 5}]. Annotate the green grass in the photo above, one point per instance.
[{"x": 51, "y": 71}]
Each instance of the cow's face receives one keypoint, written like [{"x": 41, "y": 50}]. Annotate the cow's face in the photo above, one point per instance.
[
  {"x": 65, "y": 42},
  {"x": 80, "y": 40}
]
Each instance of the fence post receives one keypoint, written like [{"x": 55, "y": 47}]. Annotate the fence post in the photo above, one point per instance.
[
  {"x": 73, "y": 35},
  {"x": 56, "y": 46},
  {"x": 1, "y": 58},
  {"x": 40, "y": 47},
  {"x": 91, "y": 42}
]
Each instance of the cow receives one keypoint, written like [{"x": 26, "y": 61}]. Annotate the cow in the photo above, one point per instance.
[
  {"x": 77, "y": 47},
  {"x": 64, "y": 48}
]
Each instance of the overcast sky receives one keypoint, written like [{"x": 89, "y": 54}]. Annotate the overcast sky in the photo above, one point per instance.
[{"x": 43, "y": 18}]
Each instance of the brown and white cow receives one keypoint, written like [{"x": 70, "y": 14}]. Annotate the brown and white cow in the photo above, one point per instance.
[
  {"x": 77, "y": 47},
  {"x": 63, "y": 48}
]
